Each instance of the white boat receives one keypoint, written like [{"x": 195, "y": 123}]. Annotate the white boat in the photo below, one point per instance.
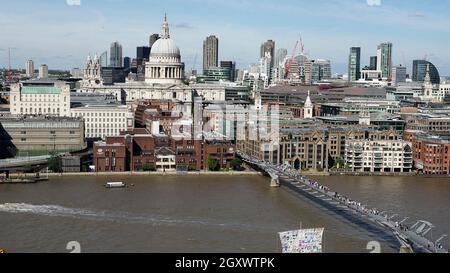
[{"x": 115, "y": 185}]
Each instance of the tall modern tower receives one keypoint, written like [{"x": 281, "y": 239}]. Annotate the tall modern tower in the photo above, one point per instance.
[
  {"x": 384, "y": 59},
  {"x": 104, "y": 59},
  {"x": 210, "y": 52},
  {"x": 29, "y": 67},
  {"x": 280, "y": 56},
  {"x": 143, "y": 52},
  {"x": 43, "y": 71},
  {"x": 127, "y": 63},
  {"x": 398, "y": 75},
  {"x": 268, "y": 47},
  {"x": 373, "y": 63},
  {"x": 153, "y": 38},
  {"x": 354, "y": 64},
  {"x": 116, "y": 55}
]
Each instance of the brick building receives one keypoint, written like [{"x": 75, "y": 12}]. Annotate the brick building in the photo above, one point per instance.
[
  {"x": 431, "y": 154},
  {"x": 139, "y": 150}
]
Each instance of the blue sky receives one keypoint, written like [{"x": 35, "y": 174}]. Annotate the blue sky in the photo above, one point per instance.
[{"x": 61, "y": 35}]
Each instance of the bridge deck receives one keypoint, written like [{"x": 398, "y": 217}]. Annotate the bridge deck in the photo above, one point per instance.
[
  {"x": 6, "y": 164},
  {"x": 407, "y": 236}
]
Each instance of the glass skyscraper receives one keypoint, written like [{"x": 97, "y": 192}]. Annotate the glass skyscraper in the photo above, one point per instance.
[
  {"x": 116, "y": 55},
  {"x": 384, "y": 59},
  {"x": 420, "y": 70},
  {"x": 354, "y": 64}
]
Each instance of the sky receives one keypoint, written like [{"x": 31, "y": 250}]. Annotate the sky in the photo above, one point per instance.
[{"x": 61, "y": 33}]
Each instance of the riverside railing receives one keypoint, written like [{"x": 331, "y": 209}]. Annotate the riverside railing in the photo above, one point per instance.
[{"x": 412, "y": 236}]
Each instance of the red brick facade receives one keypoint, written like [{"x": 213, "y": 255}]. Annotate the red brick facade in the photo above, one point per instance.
[
  {"x": 136, "y": 151},
  {"x": 431, "y": 154}
]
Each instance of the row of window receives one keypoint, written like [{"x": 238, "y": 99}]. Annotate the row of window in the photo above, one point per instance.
[
  {"x": 94, "y": 131},
  {"x": 105, "y": 120},
  {"x": 103, "y": 114},
  {"x": 32, "y": 110}
]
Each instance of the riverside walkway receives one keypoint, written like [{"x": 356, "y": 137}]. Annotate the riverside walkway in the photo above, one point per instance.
[
  {"x": 415, "y": 237},
  {"x": 23, "y": 162}
]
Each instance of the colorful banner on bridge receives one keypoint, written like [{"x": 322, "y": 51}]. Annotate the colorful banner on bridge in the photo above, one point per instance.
[{"x": 302, "y": 241}]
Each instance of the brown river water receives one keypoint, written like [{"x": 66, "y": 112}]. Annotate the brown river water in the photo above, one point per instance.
[{"x": 200, "y": 213}]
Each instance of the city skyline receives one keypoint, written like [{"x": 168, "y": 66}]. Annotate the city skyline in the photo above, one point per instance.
[{"x": 416, "y": 31}]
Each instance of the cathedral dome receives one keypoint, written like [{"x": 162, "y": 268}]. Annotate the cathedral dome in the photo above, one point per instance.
[
  {"x": 164, "y": 65},
  {"x": 165, "y": 47}
]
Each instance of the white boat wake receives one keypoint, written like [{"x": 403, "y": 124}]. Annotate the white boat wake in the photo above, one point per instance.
[{"x": 121, "y": 217}]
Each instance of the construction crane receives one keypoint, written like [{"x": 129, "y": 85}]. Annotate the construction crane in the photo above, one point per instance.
[
  {"x": 288, "y": 64},
  {"x": 9, "y": 65},
  {"x": 302, "y": 45}
]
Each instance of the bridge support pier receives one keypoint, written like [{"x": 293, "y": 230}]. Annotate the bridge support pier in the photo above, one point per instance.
[
  {"x": 406, "y": 249},
  {"x": 275, "y": 183}
]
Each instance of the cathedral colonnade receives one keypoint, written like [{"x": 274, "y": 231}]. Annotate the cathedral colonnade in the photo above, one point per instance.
[{"x": 166, "y": 72}]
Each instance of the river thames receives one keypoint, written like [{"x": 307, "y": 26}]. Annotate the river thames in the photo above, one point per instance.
[{"x": 200, "y": 213}]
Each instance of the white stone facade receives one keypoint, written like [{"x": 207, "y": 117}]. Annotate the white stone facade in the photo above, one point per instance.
[
  {"x": 40, "y": 98},
  {"x": 379, "y": 156},
  {"x": 132, "y": 91},
  {"x": 92, "y": 73},
  {"x": 104, "y": 121},
  {"x": 164, "y": 65}
]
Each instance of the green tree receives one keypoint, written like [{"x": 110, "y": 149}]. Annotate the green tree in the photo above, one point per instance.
[
  {"x": 236, "y": 164},
  {"x": 55, "y": 165},
  {"x": 149, "y": 167},
  {"x": 340, "y": 163},
  {"x": 213, "y": 164}
]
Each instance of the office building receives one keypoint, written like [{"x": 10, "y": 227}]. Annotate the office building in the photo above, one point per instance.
[
  {"x": 384, "y": 59},
  {"x": 354, "y": 64},
  {"x": 116, "y": 55},
  {"x": 112, "y": 75},
  {"x": 398, "y": 75},
  {"x": 43, "y": 71},
  {"x": 373, "y": 63},
  {"x": 320, "y": 70},
  {"x": 210, "y": 52},
  {"x": 126, "y": 64},
  {"x": 420, "y": 70},
  {"x": 268, "y": 47},
  {"x": 214, "y": 74},
  {"x": 143, "y": 52},
  {"x": 104, "y": 120},
  {"x": 29, "y": 67},
  {"x": 103, "y": 60},
  {"x": 35, "y": 136},
  {"x": 153, "y": 38},
  {"x": 280, "y": 56},
  {"x": 76, "y": 72},
  {"x": 40, "y": 97},
  {"x": 232, "y": 67}
]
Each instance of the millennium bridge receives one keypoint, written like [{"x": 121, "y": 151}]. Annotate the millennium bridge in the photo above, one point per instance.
[{"x": 393, "y": 229}]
